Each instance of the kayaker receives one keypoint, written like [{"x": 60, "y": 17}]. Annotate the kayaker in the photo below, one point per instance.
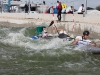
[
  {"x": 62, "y": 31},
  {"x": 44, "y": 33},
  {"x": 83, "y": 40}
]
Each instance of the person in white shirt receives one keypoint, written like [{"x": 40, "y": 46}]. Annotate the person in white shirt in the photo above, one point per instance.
[
  {"x": 81, "y": 9},
  {"x": 83, "y": 40},
  {"x": 51, "y": 10},
  {"x": 69, "y": 10}
]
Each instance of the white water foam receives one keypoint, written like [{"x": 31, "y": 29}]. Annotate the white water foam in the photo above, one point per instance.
[{"x": 18, "y": 39}]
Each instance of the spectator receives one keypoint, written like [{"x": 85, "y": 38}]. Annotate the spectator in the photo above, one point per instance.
[
  {"x": 51, "y": 10},
  {"x": 59, "y": 11},
  {"x": 69, "y": 10},
  {"x": 26, "y": 8},
  {"x": 44, "y": 2},
  {"x": 29, "y": 7},
  {"x": 57, "y": 4},
  {"x": 63, "y": 11},
  {"x": 81, "y": 9}
]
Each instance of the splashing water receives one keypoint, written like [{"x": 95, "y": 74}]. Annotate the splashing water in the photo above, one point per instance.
[{"x": 19, "y": 54}]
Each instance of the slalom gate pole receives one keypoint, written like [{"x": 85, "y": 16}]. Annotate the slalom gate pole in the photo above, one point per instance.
[{"x": 73, "y": 23}]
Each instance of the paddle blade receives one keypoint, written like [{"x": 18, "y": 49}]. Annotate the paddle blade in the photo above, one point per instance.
[{"x": 52, "y": 22}]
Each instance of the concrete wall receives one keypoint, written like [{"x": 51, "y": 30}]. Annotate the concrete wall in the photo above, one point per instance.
[
  {"x": 95, "y": 19},
  {"x": 90, "y": 22}
]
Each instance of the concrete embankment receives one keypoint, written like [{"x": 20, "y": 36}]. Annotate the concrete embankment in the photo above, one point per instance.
[{"x": 89, "y": 22}]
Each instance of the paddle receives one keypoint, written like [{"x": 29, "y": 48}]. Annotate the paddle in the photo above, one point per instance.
[
  {"x": 59, "y": 35},
  {"x": 67, "y": 37},
  {"x": 52, "y": 22}
]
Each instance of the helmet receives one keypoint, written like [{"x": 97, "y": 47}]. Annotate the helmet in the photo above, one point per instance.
[{"x": 86, "y": 32}]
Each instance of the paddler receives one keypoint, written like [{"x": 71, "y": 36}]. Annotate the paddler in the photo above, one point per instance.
[
  {"x": 44, "y": 33},
  {"x": 83, "y": 40}
]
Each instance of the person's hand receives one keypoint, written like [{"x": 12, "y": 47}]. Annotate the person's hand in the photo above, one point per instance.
[
  {"x": 94, "y": 44},
  {"x": 97, "y": 44}
]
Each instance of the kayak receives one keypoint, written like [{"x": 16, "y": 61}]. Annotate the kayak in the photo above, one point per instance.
[
  {"x": 34, "y": 37},
  {"x": 38, "y": 37},
  {"x": 90, "y": 49},
  {"x": 61, "y": 36}
]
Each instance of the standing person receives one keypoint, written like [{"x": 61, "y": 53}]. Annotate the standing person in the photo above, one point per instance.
[
  {"x": 81, "y": 9},
  {"x": 83, "y": 40},
  {"x": 57, "y": 4},
  {"x": 29, "y": 7},
  {"x": 26, "y": 8},
  {"x": 59, "y": 8},
  {"x": 44, "y": 2}
]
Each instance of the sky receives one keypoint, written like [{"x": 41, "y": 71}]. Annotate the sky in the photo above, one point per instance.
[{"x": 76, "y": 3}]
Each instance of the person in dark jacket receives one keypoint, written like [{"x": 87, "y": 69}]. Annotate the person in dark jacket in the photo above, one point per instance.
[
  {"x": 26, "y": 8},
  {"x": 59, "y": 8}
]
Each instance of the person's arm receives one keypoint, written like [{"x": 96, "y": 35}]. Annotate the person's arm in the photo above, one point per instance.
[
  {"x": 83, "y": 10},
  {"x": 94, "y": 44},
  {"x": 75, "y": 41}
]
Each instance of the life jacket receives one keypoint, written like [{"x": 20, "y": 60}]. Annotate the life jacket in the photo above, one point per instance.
[{"x": 83, "y": 42}]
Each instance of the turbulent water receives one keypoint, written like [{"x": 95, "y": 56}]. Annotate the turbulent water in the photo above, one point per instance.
[{"x": 20, "y": 55}]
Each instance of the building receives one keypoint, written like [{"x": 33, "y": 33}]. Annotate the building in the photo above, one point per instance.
[{"x": 18, "y": 6}]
